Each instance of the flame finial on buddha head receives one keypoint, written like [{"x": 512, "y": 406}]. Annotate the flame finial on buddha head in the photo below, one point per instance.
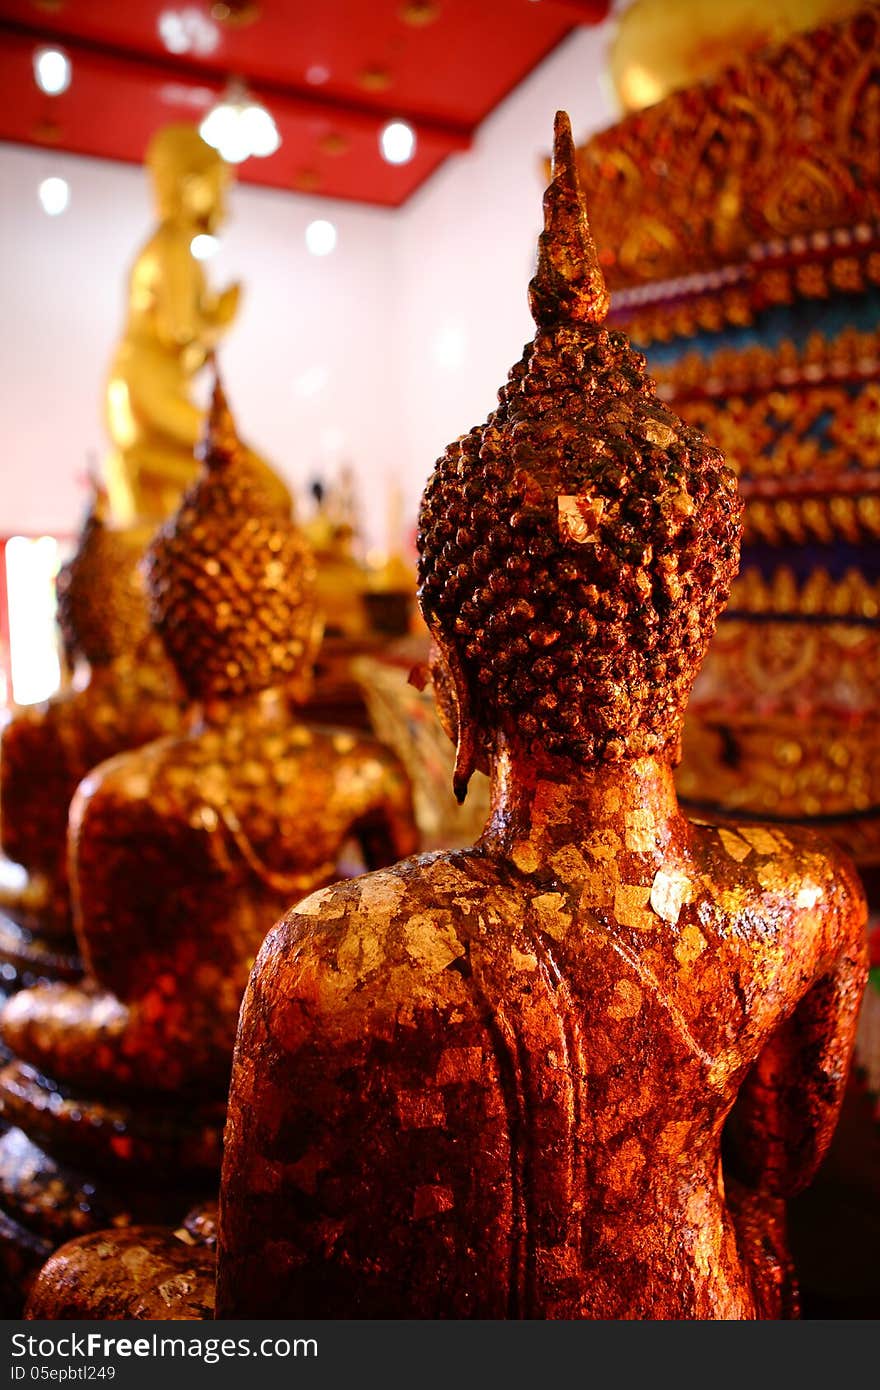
[{"x": 568, "y": 285}]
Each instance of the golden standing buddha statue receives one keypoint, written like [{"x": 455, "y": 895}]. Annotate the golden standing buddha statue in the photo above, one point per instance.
[
  {"x": 123, "y": 693},
  {"x": 184, "y": 853},
  {"x": 174, "y": 323},
  {"x": 570, "y": 1072}
]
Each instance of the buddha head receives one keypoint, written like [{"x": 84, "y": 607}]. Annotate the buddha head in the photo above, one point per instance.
[
  {"x": 102, "y": 604},
  {"x": 231, "y": 578},
  {"x": 574, "y": 551},
  {"x": 189, "y": 178}
]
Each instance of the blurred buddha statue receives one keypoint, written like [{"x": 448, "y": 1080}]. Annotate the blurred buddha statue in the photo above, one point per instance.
[
  {"x": 570, "y": 1072},
  {"x": 183, "y": 854},
  {"x": 122, "y": 693},
  {"x": 341, "y": 578},
  {"x": 174, "y": 322}
]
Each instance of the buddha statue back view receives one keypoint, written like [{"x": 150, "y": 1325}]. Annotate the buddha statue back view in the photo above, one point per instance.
[
  {"x": 123, "y": 693},
  {"x": 570, "y": 1072},
  {"x": 184, "y": 853},
  {"x": 511, "y": 1070}
]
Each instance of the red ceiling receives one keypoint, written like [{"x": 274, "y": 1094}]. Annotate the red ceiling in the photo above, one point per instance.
[{"x": 440, "y": 64}]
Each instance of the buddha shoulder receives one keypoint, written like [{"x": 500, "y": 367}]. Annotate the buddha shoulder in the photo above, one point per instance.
[
  {"x": 397, "y": 938},
  {"x": 786, "y": 866}
]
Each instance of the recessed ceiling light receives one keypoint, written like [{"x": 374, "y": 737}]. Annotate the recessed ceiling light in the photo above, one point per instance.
[
  {"x": 52, "y": 71},
  {"x": 320, "y": 237},
  {"x": 204, "y": 246},
  {"x": 397, "y": 142},
  {"x": 187, "y": 31},
  {"x": 240, "y": 127},
  {"x": 54, "y": 195}
]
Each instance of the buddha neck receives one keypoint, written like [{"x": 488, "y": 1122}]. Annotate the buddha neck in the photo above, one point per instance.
[
  {"x": 267, "y": 709},
  {"x": 540, "y": 807}
]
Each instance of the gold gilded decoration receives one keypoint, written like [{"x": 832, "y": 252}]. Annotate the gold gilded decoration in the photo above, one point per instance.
[
  {"x": 808, "y": 458},
  {"x": 850, "y": 356},
  {"x": 782, "y": 146},
  {"x": 661, "y": 46},
  {"x": 783, "y": 722},
  {"x": 680, "y": 309},
  {"x": 173, "y": 323},
  {"x": 852, "y": 596}
]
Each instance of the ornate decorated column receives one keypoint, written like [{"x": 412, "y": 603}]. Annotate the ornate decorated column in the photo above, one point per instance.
[{"x": 738, "y": 226}]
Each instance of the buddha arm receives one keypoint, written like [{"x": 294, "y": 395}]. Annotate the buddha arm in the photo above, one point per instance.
[
  {"x": 186, "y": 312},
  {"x": 787, "y": 1108}
]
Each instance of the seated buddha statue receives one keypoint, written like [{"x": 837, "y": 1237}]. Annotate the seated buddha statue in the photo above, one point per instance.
[
  {"x": 174, "y": 321},
  {"x": 122, "y": 693},
  {"x": 573, "y": 1071},
  {"x": 183, "y": 853}
]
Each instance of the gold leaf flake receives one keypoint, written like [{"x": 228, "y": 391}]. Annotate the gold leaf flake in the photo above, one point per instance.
[
  {"x": 551, "y": 917},
  {"x": 690, "y": 944},
  {"x": 760, "y": 838},
  {"x": 603, "y": 845},
  {"x": 460, "y": 1064},
  {"x": 630, "y": 904},
  {"x": 579, "y": 518},
  {"x": 641, "y": 835},
  {"x": 669, "y": 892},
  {"x": 321, "y": 904},
  {"x": 599, "y": 887},
  {"x": 421, "y": 1109},
  {"x": 525, "y": 857},
  {"x": 737, "y": 849},
  {"x": 523, "y": 960},
  {"x": 570, "y": 864},
  {"x": 430, "y": 942},
  {"x": 381, "y": 893},
  {"x": 627, "y": 1000}
]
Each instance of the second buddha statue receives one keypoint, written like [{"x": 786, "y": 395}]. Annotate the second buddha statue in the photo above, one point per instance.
[{"x": 183, "y": 853}]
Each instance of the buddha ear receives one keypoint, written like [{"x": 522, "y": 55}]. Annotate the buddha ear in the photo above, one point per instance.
[{"x": 455, "y": 710}]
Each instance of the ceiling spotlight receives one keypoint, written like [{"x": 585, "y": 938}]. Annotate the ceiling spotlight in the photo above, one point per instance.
[
  {"x": 52, "y": 71},
  {"x": 320, "y": 237},
  {"x": 54, "y": 195},
  {"x": 398, "y": 142},
  {"x": 240, "y": 127},
  {"x": 204, "y": 246},
  {"x": 187, "y": 31}
]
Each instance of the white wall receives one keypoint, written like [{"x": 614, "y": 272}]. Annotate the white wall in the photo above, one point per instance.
[
  {"x": 465, "y": 252},
  {"x": 416, "y": 317},
  {"x": 62, "y": 290}
]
